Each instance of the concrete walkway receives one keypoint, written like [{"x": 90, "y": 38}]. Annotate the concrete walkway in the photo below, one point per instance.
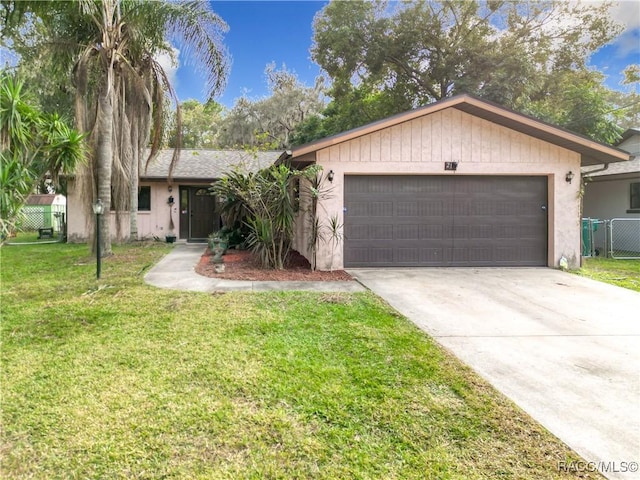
[
  {"x": 176, "y": 271},
  {"x": 566, "y": 349}
]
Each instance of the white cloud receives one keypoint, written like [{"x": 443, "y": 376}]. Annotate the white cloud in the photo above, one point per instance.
[
  {"x": 628, "y": 44},
  {"x": 170, "y": 64},
  {"x": 627, "y": 12}
]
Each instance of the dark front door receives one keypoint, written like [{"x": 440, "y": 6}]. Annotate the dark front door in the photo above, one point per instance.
[
  {"x": 198, "y": 215},
  {"x": 445, "y": 221}
]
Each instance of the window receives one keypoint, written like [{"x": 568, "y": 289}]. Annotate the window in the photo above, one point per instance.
[
  {"x": 634, "y": 202},
  {"x": 144, "y": 199}
]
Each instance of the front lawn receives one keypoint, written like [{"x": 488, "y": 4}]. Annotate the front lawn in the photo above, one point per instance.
[
  {"x": 117, "y": 379},
  {"x": 623, "y": 273}
]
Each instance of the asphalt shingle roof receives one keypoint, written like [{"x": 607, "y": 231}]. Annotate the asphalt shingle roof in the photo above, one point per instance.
[
  {"x": 620, "y": 168},
  {"x": 41, "y": 199},
  {"x": 207, "y": 164}
]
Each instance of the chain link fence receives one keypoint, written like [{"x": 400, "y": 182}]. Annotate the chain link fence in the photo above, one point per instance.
[{"x": 616, "y": 238}]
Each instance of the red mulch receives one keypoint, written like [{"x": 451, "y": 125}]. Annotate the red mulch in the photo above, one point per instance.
[{"x": 240, "y": 265}]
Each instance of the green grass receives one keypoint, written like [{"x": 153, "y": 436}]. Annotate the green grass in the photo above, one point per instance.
[
  {"x": 623, "y": 273},
  {"x": 117, "y": 379}
]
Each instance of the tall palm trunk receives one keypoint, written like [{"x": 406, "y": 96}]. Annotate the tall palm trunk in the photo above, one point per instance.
[
  {"x": 135, "y": 165},
  {"x": 104, "y": 160}
]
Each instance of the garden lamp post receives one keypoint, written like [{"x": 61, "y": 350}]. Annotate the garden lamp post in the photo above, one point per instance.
[{"x": 98, "y": 209}]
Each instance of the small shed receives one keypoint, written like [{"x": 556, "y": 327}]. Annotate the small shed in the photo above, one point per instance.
[{"x": 44, "y": 211}]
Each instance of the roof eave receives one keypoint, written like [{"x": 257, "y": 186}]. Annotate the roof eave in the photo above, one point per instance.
[{"x": 591, "y": 152}]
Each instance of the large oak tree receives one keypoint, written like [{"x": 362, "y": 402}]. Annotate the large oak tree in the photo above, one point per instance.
[{"x": 386, "y": 57}]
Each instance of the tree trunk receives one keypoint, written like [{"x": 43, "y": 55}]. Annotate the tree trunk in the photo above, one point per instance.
[
  {"x": 104, "y": 160},
  {"x": 135, "y": 162}
]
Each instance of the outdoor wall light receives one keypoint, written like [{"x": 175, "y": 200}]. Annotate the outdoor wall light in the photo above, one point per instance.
[
  {"x": 98, "y": 207},
  {"x": 330, "y": 175},
  {"x": 569, "y": 176},
  {"x": 170, "y": 200}
]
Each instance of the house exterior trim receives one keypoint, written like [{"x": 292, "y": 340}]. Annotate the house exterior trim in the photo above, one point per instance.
[{"x": 592, "y": 152}]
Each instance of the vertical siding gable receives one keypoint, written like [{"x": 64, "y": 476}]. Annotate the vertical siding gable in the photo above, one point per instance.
[
  {"x": 354, "y": 150},
  {"x": 476, "y": 138},
  {"x": 345, "y": 149},
  {"x": 514, "y": 140},
  {"x": 416, "y": 140},
  {"x": 445, "y": 155},
  {"x": 425, "y": 147},
  {"x": 487, "y": 135},
  {"x": 385, "y": 145},
  {"x": 334, "y": 153},
  {"x": 322, "y": 156},
  {"x": 405, "y": 141},
  {"x": 505, "y": 145},
  {"x": 396, "y": 144},
  {"x": 436, "y": 137},
  {"x": 447, "y": 135},
  {"x": 365, "y": 148},
  {"x": 456, "y": 135},
  {"x": 376, "y": 146}
]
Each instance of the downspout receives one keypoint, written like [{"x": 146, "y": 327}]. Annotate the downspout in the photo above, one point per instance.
[{"x": 606, "y": 166}]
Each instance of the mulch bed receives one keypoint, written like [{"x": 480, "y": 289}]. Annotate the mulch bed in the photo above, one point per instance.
[{"x": 241, "y": 265}]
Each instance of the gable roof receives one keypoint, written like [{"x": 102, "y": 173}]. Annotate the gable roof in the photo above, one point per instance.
[
  {"x": 592, "y": 152},
  {"x": 205, "y": 164}
]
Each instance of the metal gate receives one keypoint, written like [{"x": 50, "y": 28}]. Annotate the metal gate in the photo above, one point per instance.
[{"x": 616, "y": 238}]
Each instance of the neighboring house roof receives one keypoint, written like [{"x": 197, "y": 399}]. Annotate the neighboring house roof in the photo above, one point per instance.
[
  {"x": 41, "y": 199},
  {"x": 592, "y": 152},
  {"x": 206, "y": 164},
  {"x": 630, "y": 132},
  {"x": 630, "y": 168},
  {"x": 630, "y": 142}
]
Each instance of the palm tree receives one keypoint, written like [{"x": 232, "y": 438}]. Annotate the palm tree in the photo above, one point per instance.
[
  {"x": 111, "y": 48},
  {"x": 32, "y": 145}
]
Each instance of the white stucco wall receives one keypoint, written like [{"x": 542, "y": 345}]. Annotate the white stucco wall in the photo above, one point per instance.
[
  {"x": 421, "y": 146},
  {"x": 606, "y": 199}
]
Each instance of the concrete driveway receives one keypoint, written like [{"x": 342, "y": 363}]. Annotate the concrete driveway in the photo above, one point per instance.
[{"x": 564, "y": 348}]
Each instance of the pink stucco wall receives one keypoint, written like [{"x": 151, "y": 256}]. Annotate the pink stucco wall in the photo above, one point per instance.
[
  {"x": 421, "y": 146},
  {"x": 150, "y": 223}
]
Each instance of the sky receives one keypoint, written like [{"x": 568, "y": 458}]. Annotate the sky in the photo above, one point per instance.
[{"x": 262, "y": 32}]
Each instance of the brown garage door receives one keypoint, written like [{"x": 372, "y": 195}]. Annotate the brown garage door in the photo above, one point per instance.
[{"x": 445, "y": 221}]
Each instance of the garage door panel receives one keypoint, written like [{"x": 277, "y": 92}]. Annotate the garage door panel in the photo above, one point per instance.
[
  {"x": 408, "y": 255},
  {"x": 434, "y": 231},
  {"x": 407, "y": 232},
  {"x": 434, "y": 257},
  {"x": 441, "y": 221}
]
